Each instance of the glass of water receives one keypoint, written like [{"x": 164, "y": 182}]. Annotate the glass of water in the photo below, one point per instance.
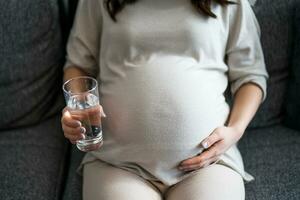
[{"x": 82, "y": 99}]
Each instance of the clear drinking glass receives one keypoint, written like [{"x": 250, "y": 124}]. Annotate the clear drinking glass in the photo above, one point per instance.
[{"x": 82, "y": 99}]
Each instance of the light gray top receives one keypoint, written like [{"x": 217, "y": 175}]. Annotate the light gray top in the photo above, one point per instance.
[{"x": 163, "y": 69}]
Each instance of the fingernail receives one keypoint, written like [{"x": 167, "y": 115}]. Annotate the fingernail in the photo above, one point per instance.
[
  {"x": 79, "y": 123},
  {"x": 67, "y": 113},
  {"x": 205, "y": 145},
  {"x": 82, "y": 130}
]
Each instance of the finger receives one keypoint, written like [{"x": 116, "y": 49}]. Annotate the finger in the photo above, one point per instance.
[
  {"x": 191, "y": 161},
  {"x": 200, "y": 165},
  {"x": 213, "y": 151},
  {"x": 73, "y": 131},
  {"x": 102, "y": 112},
  {"x": 197, "y": 160},
  {"x": 213, "y": 138},
  {"x": 188, "y": 167},
  {"x": 95, "y": 110},
  {"x": 64, "y": 110},
  {"x": 74, "y": 137},
  {"x": 210, "y": 161},
  {"x": 69, "y": 121}
]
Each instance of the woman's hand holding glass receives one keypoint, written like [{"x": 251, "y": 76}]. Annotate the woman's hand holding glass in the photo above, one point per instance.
[
  {"x": 81, "y": 119},
  {"x": 72, "y": 126}
]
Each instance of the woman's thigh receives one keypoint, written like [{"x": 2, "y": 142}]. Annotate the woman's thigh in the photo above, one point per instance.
[
  {"x": 215, "y": 182},
  {"x": 105, "y": 182}
]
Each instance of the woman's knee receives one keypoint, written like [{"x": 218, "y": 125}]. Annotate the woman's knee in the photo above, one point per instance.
[
  {"x": 214, "y": 183},
  {"x": 105, "y": 182}
]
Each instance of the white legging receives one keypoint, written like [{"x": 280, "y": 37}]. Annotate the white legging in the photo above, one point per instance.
[{"x": 215, "y": 182}]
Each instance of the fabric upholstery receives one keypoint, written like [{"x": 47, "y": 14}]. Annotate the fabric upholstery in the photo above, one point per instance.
[
  {"x": 276, "y": 37},
  {"x": 292, "y": 103},
  {"x": 33, "y": 162},
  {"x": 73, "y": 189},
  {"x": 67, "y": 10},
  {"x": 272, "y": 156},
  {"x": 31, "y": 57}
]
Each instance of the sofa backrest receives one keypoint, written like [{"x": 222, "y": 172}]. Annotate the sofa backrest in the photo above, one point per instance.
[
  {"x": 292, "y": 103},
  {"x": 276, "y": 21},
  {"x": 31, "y": 60},
  {"x": 67, "y": 13}
]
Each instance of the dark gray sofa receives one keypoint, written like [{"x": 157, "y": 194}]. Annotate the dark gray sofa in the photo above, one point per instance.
[
  {"x": 38, "y": 163},
  {"x": 33, "y": 151}
]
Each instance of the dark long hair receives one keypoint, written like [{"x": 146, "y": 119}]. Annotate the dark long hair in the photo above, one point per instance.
[{"x": 202, "y": 6}]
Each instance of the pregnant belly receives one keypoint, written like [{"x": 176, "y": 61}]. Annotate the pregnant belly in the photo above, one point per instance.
[
  {"x": 157, "y": 135},
  {"x": 163, "y": 111}
]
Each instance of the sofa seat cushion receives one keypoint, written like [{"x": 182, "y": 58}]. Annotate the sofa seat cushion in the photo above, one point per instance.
[
  {"x": 272, "y": 156},
  {"x": 33, "y": 162},
  {"x": 73, "y": 188}
]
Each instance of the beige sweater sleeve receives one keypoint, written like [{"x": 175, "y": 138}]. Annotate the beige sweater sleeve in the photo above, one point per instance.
[
  {"x": 244, "y": 53},
  {"x": 84, "y": 40}
]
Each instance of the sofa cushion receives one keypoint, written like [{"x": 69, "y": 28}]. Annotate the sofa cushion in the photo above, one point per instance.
[
  {"x": 276, "y": 32},
  {"x": 33, "y": 162},
  {"x": 73, "y": 188},
  {"x": 292, "y": 118},
  {"x": 31, "y": 57},
  {"x": 272, "y": 156}
]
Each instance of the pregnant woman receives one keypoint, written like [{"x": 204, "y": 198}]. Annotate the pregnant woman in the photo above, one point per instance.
[{"x": 163, "y": 67}]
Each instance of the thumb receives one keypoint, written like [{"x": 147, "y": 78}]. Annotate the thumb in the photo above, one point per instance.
[
  {"x": 211, "y": 139},
  {"x": 102, "y": 112}
]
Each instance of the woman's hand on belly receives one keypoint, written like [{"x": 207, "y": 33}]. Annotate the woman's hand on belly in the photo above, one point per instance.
[{"x": 217, "y": 143}]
